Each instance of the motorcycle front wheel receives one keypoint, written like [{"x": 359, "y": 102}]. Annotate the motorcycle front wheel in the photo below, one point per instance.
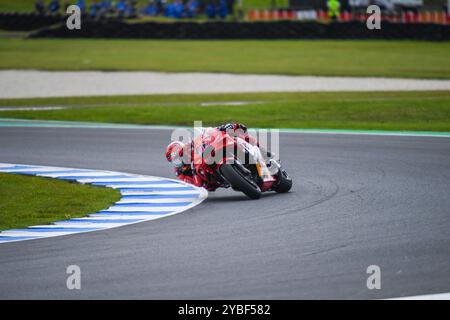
[
  {"x": 284, "y": 183},
  {"x": 239, "y": 182}
]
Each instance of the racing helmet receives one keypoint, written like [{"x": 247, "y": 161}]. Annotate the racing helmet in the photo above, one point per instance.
[{"x": 174, "y": 153}]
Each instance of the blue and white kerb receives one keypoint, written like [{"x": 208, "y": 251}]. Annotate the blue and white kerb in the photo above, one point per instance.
[{"x": 143, "y": 198}]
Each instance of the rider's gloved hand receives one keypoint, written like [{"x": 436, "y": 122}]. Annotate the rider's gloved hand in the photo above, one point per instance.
[
  {"x": 184, "y": 170},
  {"x": 233, "y": 126},
  {"x": 241, "y": 126}
]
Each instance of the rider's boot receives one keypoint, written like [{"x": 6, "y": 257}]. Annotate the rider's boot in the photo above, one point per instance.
[{"x": 272, "y": 164}]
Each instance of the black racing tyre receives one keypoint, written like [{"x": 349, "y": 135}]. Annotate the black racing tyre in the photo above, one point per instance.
[
  {"x": 238, "y": 182},
  {"x": 284, "y": 183}
]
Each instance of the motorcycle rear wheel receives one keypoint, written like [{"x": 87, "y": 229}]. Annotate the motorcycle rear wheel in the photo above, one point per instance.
[{"x": 239, "y": 182}]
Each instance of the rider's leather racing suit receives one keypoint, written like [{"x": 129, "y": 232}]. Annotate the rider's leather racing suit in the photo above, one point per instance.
[{"x": 186, "y": 172}]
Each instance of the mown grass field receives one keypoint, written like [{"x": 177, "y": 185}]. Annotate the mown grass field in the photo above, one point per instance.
[
  {"x": 26, "y": 201},
  {"x": 17, "y": 5},
  {"x": 423, "y": 111},
  {"x": 412, "y": 59}
]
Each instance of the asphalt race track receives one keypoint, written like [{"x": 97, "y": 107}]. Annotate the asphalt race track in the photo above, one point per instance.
[{"x": 356, "y": 201}]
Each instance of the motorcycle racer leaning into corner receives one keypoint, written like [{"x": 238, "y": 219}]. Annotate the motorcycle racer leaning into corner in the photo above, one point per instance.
[{"x": 186, "y": 173}]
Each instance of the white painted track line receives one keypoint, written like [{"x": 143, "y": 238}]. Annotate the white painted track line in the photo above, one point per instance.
[{"x": 436, "y": 296}]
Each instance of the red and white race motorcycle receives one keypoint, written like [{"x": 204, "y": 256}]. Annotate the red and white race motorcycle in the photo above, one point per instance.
[{"x": 223, "y": 161}]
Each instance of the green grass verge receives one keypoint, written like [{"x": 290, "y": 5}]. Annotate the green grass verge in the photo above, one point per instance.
[
  {"x": 308, "y": 57},
  {"x": 27, "y": 201},
  {"x": 421, "y": 111},
  {"x": 17, "y": 5}
]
